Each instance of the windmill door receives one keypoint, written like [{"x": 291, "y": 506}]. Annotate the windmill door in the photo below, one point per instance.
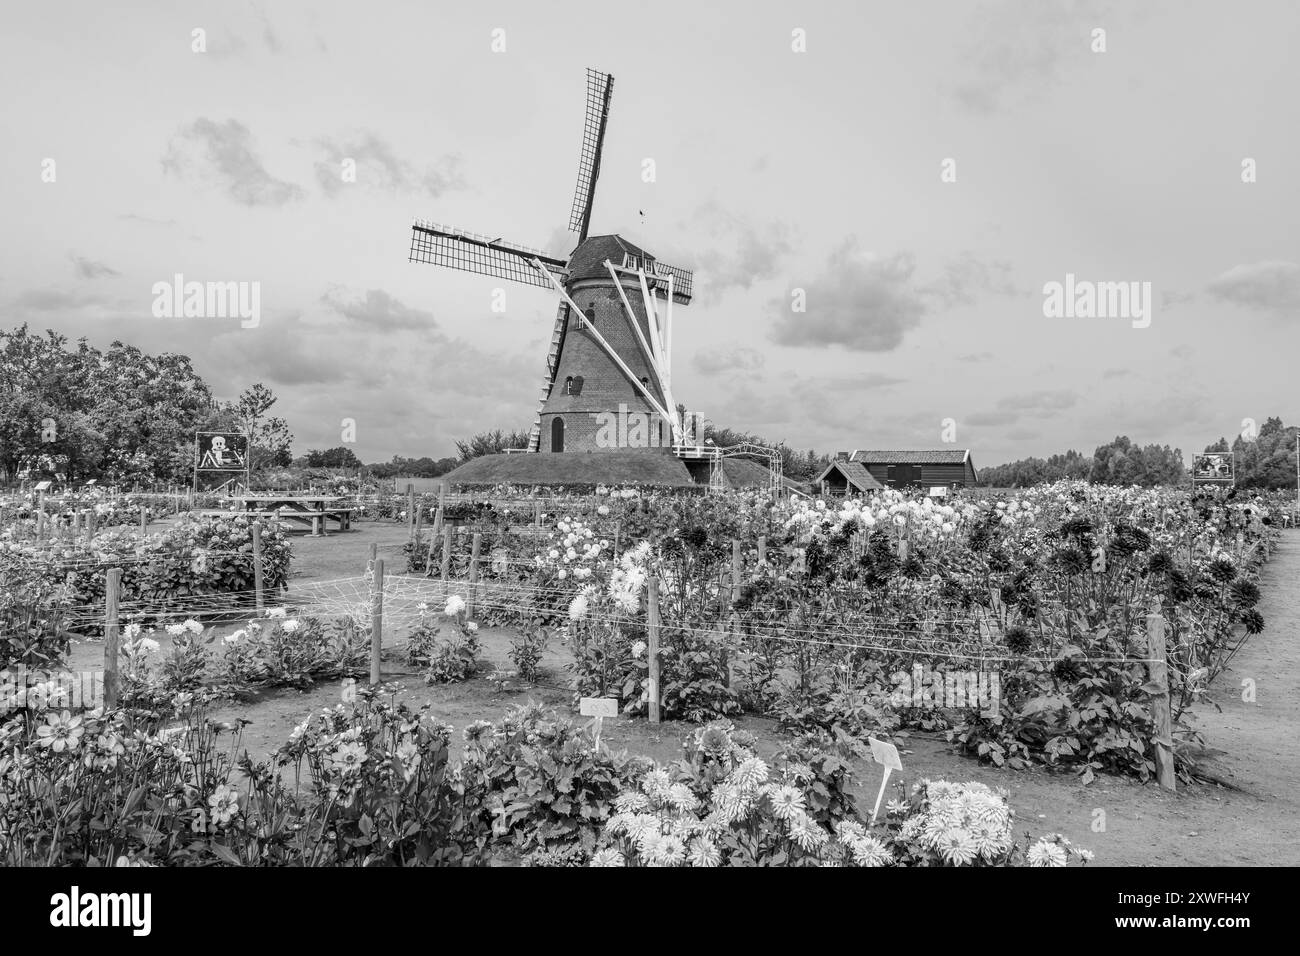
[{"x": 557, "y": 434}]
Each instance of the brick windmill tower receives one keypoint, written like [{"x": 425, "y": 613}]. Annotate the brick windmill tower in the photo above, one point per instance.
[{"x": 608, "y": 381}]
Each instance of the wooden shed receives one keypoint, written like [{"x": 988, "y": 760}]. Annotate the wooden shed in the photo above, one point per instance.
[
  {"x": 944, "y": 467},
  {"x": 843, "y": 477}
]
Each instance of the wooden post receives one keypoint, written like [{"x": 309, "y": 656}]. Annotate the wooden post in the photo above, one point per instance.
[
  {"x": 257, "y": 565},
  {"x": 618, "y": 528},
  {"x": 376, "y": 619},
  {"x": 437, "y": 527},
  {"x": 1160, "y": 711},
  {"x": 762, "y": 550},
  {"x": 144, "y": 517},
  {"x": 410, "y": 511},
  {"x": 537, "y": 514},
  {"x": 475, "y": 544},
  {"x": 652, "y": 639},
  {"x": 112, "y": 644},
  {"x": 446, "y": 556},
  {"x": 90, "y": 525},
  {"x": 737, "y": 562}
]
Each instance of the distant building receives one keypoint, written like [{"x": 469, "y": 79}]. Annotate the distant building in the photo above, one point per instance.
[{"x": 866, "y": 471}]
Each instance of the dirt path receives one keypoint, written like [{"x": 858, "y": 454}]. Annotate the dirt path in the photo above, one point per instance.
[{"x": 1124, "y": 822}]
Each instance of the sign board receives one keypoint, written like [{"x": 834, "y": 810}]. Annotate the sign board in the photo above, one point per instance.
[
  {"x": 1213, "y": 466},
  {"x": 885, "y": 753},
  {"x": 43, "y": 486},
  {"x": 939, "y": 491},
  {"x": 598, "y": 707},
  {"x": 219, "y": 458}
]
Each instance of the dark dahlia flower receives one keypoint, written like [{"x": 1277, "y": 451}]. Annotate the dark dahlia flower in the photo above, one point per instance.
[
  {"x": 1253, "y": 620},
  {"x": 1245, "y": 594},
  {"x": 1180, "y": 588},
  {"x": 1070, "y": 561},
  {"x": 1222, "y": 570},
  {"x": 696, "y": 537},
  {"x": 1075, "y": 528},
  {"x": 1019, "y": 639},
  {"x": 1160, "y": 563}
]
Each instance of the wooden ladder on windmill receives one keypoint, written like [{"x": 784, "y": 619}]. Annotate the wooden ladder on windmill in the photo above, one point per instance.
[{"x": 552, "y": 362}]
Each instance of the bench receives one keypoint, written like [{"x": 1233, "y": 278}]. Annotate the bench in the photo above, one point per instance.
[{"x": 316, "y": 519}]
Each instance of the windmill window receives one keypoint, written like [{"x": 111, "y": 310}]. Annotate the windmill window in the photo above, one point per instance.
[
  {"x": 645, "y": 381},
  {"x": 568, "y": 385},
  {"x": 590, "y": 313}
]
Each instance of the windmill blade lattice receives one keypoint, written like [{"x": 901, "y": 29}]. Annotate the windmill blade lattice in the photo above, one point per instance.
[
  {"x": 600, "y": 90},
  {"x": 457, "y": 249}
]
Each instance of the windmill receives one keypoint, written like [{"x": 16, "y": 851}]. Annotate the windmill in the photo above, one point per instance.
[{"x": 611, "y": 347}]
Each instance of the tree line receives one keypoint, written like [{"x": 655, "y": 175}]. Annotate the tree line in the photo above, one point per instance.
[
  {"x": 119, "y": 414},
  {"x": 1264, "y": 460}
]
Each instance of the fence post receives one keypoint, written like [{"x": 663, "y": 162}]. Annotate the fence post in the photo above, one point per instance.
[
  {"x": 112, "y": 645},
  {"x": 1160, "y": 711},
  {"x": 144, "y": 517},
  {"x": 762, "y": 550},
  {"x": 90, "y": 525},
  {"x": 257, "y": 565},
  {"x": 376, "y": 619},
  {"x": 447, "y": 534},
  {"x": 475, "y": 544},
  {"x": 652, "y": 640},
  {"x": 410, "y": 511},
  {"x": 737, "y": 563}
]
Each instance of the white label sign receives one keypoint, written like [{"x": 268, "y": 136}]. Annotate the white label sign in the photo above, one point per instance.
[
  {"x": 885, "y": 753},
  {"x": 598, "y": 707},
  {"x": 42, "y": 486}
]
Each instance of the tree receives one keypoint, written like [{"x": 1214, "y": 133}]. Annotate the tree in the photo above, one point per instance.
[
  {"x": 491, "y": 443},
  {"x": 341, "y": 457}
]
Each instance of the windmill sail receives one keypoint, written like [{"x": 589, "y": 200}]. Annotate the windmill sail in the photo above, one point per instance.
[
  {"x": 600, "y": 89},
  {"x": 453, "y": 248}
]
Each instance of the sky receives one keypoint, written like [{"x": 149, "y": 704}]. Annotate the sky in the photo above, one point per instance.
[{"x": 915, "y": 173}]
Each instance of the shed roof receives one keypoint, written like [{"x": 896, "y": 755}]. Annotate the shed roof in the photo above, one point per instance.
[
  {"x": 855, "y": 473},
  {"x": 933, "y": 456}
]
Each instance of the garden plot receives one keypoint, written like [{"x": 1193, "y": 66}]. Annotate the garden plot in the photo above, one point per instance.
[{"x": 805, "y": 574}]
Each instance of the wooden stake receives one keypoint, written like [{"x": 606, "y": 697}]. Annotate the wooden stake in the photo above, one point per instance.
[
  {"x": 112, "y": 636},
  {"x": 652, "y": 638},
  {"x": 762, "y": 550},
  {"x": 410, "y": 511},
  {"x": 1160, "y": 711},
  {"x": 376, "y": 620},
  {"x": 257, "y": 565},
  {"x": 446, "y": 556},
  {"x": 475, "y": 544}
]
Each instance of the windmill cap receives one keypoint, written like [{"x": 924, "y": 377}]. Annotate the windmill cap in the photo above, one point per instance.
[{"x": 588, "y": 260}]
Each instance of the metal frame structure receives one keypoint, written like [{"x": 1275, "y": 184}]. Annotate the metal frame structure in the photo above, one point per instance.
[{"x": 715, "y": 454}]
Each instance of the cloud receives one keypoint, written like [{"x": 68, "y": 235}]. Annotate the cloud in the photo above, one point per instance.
[
  {"x": 1117, "y": 373},
  {"x": 1017, "y": 50},
  {"x": 1012, "y": 408},
  {"x": 854, "y": 383},
  {"x": 737, "y": 251},
  {"x": 862, "y": 302},
  {"x": 1271, "y": 286},
  {"x": 225, "y": 152},
  {"x": 59, "y": 300},
  {"x": 379, "y": 310},
  {"x": 90, "y": 269},
  {"x": 715, "y": 361},
  {"x": 967, "y": 279},
  {"x": 132, "y": 217},
  {"x": 378, "y": 167},
  {"x": 975, "y": 357}
]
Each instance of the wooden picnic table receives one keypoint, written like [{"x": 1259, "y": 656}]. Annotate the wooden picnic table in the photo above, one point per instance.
[{"x": 313, "y": 508}]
